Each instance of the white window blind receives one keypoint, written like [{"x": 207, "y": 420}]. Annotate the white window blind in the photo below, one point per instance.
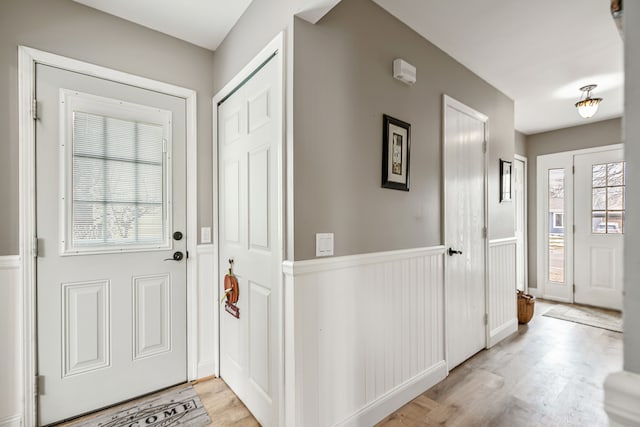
[{"x": 118, "y": 182}]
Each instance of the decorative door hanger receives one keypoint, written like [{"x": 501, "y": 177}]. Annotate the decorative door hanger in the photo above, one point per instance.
[{"x": 231, "y": 292}]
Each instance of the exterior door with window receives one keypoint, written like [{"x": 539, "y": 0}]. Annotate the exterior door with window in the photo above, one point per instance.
[
  {"x": 599, "y": 220},
  {"x": 110, "y": 182}
]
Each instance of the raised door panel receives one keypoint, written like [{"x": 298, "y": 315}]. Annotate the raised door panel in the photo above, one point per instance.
[{"x": 152, "y": 315}]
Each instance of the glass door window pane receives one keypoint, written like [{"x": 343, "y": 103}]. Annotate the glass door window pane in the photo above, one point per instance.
[
  {"x": 119, "y": 189},
  {"x": 556, "y": 236},
  {"x": 608, "y": 198}
]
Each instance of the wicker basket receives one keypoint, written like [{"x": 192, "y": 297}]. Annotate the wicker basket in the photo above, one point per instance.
[{"x": 526, "y": 304}]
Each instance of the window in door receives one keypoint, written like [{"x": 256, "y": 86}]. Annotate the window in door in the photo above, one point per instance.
[
  {"x": 608, "y": 198},
  {"x": 117, "y": 188},
  {"x": 556, "y": 241}
]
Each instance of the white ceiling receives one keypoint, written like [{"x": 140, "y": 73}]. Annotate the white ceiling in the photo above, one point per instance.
[
  {"x": 204, "y": 23},
  {"x": 538, "y": 52}
]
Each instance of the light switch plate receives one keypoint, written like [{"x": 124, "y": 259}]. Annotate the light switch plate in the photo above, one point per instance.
[
  {"x": 324, "y": 244},
  {"x": 205, "y": 235}
]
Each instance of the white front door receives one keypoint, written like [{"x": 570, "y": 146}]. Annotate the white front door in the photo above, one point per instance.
[
  {"x": 249, "y": 176},
  {"x": 464, "y": 222},
  {"x": 110, "y": 186},
  {"x": 599, "y": 219},
  {"x": 519, "y": 199}
]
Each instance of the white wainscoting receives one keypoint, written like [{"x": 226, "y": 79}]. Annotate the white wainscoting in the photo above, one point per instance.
[
  {"x": 502, "y": 299},
  {"x": 364, "y": 335},
  {"x": 10, "y": 350},
  {"x": 207, "y": 311}
]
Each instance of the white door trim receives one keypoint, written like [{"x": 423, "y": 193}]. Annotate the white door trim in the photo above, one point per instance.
[
  {"x": 274, "y": 46},
  {"x": 449, "y": 101},
  {"x": 27, "y": 59},
  {"x": 523, "y": 159},
  {"x": 541, "y": 223}
]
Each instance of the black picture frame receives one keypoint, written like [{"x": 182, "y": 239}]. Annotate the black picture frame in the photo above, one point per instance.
[
  {"x": 505, "y": 180},
  {"x": 396, "y": 150}
]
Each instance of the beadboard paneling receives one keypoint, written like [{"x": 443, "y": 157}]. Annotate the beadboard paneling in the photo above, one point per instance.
[
  {"x": 502, "y": 309},
  {"x": 10, "y": 351},
  {"x": 368, "y": 335}
]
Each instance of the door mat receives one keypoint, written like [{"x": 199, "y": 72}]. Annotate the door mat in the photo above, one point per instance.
[
  {"x": 591, "y": 316},
  {"x": 175, "y": 407}
]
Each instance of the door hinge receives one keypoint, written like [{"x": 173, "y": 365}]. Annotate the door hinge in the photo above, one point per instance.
[
  {"x": 484, "y": 146},
  {"x": 34, "y": 109},
  {"x": 573, "y": 169},
  {"x": 34, "y": 247},
  {"x": 38, "y": 385},
  {"x": 484, "y": 232},
  {"x": 486, "y": 318},
  {"x": 187, "y": 254},
  {"x": 574, "y": 228},
  {"x": 574, "y": 288}
]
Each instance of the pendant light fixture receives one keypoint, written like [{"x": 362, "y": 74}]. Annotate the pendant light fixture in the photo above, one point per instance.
[{"x": 587, "y": 106}]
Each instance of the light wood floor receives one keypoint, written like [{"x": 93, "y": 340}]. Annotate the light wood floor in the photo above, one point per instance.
[{"x": 550, "y": 373}]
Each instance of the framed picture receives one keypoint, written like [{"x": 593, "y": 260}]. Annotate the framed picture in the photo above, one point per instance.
[
  {"x": 505, "y": 181},
  {"x": 396, "y": 146}
]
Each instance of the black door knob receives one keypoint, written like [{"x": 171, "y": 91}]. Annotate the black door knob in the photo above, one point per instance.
[
  {"x": 177, "y": 256},
  {"x": 452, "y": 252},
  {"x": 177, "y": 235}
]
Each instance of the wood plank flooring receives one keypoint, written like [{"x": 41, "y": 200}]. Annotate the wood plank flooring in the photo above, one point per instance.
[{"x": 550, "y": 373}]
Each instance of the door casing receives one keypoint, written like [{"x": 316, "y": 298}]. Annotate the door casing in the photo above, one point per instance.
[
  {"x": 275, "y": 45},
  {"x": 449, "y": 101},
  {"x": 27, "y": 59},
  {"x": 525, "y": 230}
]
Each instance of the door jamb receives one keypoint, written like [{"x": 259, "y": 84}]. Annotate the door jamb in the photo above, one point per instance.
[
  {"x": 27, "y": 60},
  {"x": 449, "y": 101},
  {"x": 525, "y": 232},
  {"x": 277, "y": 45}
]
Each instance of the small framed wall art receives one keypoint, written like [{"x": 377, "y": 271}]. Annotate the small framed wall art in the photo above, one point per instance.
[
  {"x": 396, "y": 147},
  {"x": 505, "y": 181}
]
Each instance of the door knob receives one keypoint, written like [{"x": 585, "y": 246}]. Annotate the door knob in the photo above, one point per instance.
[
  {"x": 177, "y": 235},
  {"x": 177, "y": 256},
  {"x": 452, "y": 252}
]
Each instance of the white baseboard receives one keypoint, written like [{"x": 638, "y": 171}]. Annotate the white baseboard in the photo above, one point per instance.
[
  {"x": 12, "y": 421},
  {"x": 500, "y": 333},
  {"x": 622, "y": 399},
  {"x": 395, "y": 398}
]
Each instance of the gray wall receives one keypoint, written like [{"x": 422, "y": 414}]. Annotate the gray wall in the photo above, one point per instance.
[
  {"x": 70, "y": 29},
  {"x": 574, "y": 138},
  {"x": 343, "y": 85},
  {"x": 632, "y": 154},
  {"x": 520, "y": 146},
  {"x": 257, "y": 26}
]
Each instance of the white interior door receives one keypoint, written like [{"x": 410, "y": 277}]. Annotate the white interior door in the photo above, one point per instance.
[
  {"x": 519, "y": 199},
  {"x": 249, "y": 176},
  {"x": 599, "y": 219},
  {"x": 464, "y": 223},
  {"x": 110, "y": 192}
]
